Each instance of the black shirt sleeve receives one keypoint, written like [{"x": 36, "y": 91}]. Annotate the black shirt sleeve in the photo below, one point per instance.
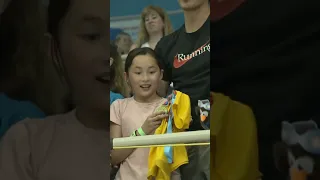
[{"x": 163, "y": 59}]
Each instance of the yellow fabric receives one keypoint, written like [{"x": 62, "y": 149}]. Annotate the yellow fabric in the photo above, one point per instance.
[
  {"x": 234, "y": 148},
  {"x": 159, "y": 168}
]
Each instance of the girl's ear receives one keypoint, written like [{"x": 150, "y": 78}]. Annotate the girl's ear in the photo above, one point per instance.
[
  {"x": 161, "y": 74},
  {"x": 126, "y": 78}
]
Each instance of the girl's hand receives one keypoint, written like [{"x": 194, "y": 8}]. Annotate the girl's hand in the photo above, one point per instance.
[{"x": 153, "y": 122}]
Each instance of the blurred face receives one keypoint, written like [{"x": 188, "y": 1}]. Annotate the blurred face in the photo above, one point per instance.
[
  {"x": 153, "y": 22},
  {"x": 189, "y": 5},
  {"x": 144, "y": 76},
  {"x": 84, "y": 46},
  {"x": 124, "y": 44}
]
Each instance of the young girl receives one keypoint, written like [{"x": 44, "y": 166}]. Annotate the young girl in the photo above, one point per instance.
[
  {"x": 123, "y": 42},
  {"x": 118, "y": 88},
  {"x": 135, "y": 116},
  {"x": 74, "y": 145}
]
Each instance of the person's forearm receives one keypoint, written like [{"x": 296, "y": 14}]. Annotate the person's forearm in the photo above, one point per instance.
[{"x": 119, "y": 155}]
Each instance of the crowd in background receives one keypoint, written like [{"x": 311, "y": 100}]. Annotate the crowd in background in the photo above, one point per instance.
[{"x": 154, "y": 24}]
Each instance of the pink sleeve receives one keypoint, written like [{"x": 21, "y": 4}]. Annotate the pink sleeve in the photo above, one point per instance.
[
  {"x": 15, "y": 154},
  {"x": 115, "y": 116}
]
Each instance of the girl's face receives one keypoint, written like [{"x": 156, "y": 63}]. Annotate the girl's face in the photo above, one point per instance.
[
  {"x": 84, "y": 47},
  {"x": 153, "y": 22},
  {"x": 144, "y": 76}
]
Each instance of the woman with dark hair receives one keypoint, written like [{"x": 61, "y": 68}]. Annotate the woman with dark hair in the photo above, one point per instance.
[{"x": 72, "y": 145}]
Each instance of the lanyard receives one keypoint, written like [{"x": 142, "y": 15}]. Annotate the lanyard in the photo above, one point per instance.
[{"x": 168, "y": 150}]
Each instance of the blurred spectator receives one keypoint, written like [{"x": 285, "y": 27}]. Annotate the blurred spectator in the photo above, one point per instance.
[
  {"x": 118, "y": 88},
  {"x": 123, "y": 42},
  {"x": 114, "y": 32},
  {"x": 154, "y": 25}
]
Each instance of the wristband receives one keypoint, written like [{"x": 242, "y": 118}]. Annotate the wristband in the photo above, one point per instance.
[
  {"x": 133, "y": 134},
  {"x": 141, "y": 132}
]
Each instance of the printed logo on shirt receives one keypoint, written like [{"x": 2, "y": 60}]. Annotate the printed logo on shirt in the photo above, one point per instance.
[{"x": 181, "y": 59}]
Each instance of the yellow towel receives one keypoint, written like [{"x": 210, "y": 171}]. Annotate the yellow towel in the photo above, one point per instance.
[
  {"x": 234, "y": 149},
  {"x": 159, "y": 168}
]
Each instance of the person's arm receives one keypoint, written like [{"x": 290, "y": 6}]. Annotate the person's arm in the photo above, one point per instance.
[
  {"x": 119, "y": 155},
  {"x": 150, "y": 125},
  {"x": 15, "y": 154},
  {"x": 162, "y": 59}
]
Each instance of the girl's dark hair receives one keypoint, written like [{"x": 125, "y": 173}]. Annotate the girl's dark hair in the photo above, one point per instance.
[
  {"x": 140, "y": 51},
  {"x": 8, "y": 44},
  {"x": 21, "y": 43},
  {"x": 57, "y": 11}
]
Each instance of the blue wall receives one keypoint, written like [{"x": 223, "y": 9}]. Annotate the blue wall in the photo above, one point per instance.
[
  {"x": 134, "y": 7},
  {"x": 131, "y": 7}
]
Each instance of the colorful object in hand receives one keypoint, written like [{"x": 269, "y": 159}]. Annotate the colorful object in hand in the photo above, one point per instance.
[
  {"x": 163, "y": 108},
  {"x": 164, "y": 160},
  {"x": 168, "y": 149}
]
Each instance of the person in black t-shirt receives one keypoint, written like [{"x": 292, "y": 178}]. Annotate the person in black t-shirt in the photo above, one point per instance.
[
  {"x": 185, "y": 57},
  {"x": 267, "y": 55}
]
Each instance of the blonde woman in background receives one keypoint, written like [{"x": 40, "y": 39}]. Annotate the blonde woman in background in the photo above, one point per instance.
[{"x": 154, "y": 24}]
